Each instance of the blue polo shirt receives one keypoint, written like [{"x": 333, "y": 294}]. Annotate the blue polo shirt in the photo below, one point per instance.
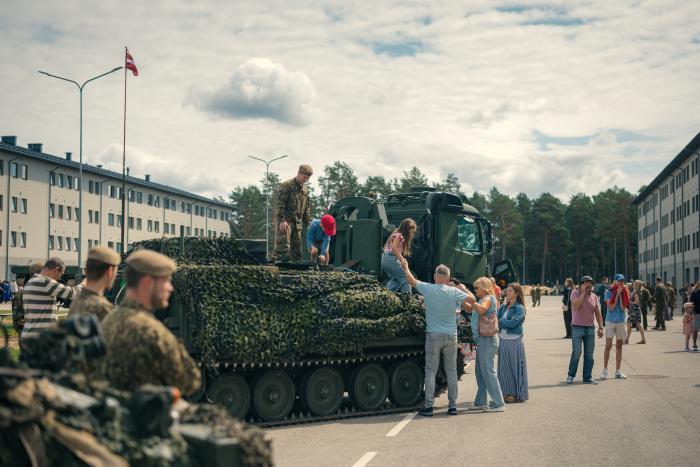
[
  {"x": 617, "y": 314},
  {"x": 441, "y": 301},
  {"x": 316, "y": 236}
]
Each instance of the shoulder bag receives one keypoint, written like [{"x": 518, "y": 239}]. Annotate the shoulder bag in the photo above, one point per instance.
[{"x": 488, "y": 324}]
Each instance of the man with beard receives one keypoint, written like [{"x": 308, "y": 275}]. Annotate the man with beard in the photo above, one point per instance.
[{"x": 100, "y": 272}]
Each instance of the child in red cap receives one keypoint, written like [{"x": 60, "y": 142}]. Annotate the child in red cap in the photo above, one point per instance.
[{"x": 318, "y": 238}]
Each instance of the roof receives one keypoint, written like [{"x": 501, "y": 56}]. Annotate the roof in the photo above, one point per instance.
[
  {"x": 60, "y": 161},
  {"x": 673, "y": 165}
]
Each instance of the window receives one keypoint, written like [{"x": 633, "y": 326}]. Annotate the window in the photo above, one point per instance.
[
  {"x": 119, "y": 247},
  {"x": 61, "y": 179},
  {"x": 23, "y": 240},
  {"x": 110, "y": 219},
  {"x": 23, "y": 207},
  {"x": 69, "y": 181},
  {"x": 89, "y": 243},
  {"x": 468, "y": 235},
  {"x": 110, "y": 245},
  {"x": 149, "y": 199},
  {"x": 2, "y": 202},
  {"x": 156, "y": 201},
  {"x": 69, "y": 212},
  {"x": 130, "y": 196},
  {"x": 139, "y": 197},
  {"x": 51, "y": 242},
  {"x": 2, "y": 167},
  {"x": 172, "y": 229},
  {"x": 173, "y": 205},
  {"x": 68, "y": 244},
  {"x": 14, "y": 169},
  {"x": 156, "y": 226},
  {"x": 13, "y": 239},
  {"x": 166, "y": 227},
  {"x": 112, "y": 191},
  {"x": 13, "y": 204},
  {"x": 189, "y": 231},
  {"x": 91, "y": 186},
  {"x": 131, "y": 222},
  {"x": 25, "y": 171},
  {"x": 52, "y": 210},
  {"x": 60, "y": 211},
  {"x": 89, "y": 216},
  {"x": 60, "y": 243},
  {"x": 97, "y": 217},
  {"x": 149, "y": 225},
  {"x": 119, "y": 220},
  {"x": 139, "y": 223},
  {"x": 52, "y": 178}
]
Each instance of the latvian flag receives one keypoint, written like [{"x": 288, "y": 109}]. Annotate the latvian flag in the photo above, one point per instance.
[{"x": 130, "y": 65}]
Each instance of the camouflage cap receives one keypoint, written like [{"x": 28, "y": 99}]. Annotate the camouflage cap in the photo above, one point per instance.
[
  {"x": 305, "y": 169},
  {"x": 104, "y": 255},
  {"x": 150, "y": 263}
]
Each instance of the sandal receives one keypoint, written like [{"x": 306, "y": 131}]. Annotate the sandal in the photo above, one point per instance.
[{"x": 510, "y": 399}]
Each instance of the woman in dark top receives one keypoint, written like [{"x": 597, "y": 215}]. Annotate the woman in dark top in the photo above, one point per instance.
[
  {"x": 566, "y": 305},
  {"x": 695, "y": 299}
]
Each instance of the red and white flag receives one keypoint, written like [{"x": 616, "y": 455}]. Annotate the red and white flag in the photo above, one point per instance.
[{"x": 130, "y": 65}]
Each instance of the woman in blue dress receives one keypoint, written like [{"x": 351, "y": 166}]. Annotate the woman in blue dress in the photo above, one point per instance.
[{"x": 512, "y": 366}]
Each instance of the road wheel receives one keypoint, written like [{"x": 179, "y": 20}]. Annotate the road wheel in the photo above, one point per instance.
[
  {"x": 232, "y": 392},
  {"x": 273, "y": 395},
  {"x": 322, "y": 391},
  {"x": 406, "y": 383},
  {"x": 369, "y": 387}
]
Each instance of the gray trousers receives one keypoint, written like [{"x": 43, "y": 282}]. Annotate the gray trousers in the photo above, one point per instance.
[{"x": 434, "y": 345}]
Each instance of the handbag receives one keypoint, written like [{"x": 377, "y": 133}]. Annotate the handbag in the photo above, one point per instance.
[{"x": 488, "y": 324}]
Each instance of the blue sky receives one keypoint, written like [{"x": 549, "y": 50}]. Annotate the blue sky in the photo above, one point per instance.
[{"x": 563, "y": 97}]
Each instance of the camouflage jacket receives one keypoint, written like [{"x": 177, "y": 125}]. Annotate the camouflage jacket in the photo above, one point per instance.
[
  {"x": 292, "y": 203},
  {"x": 89, "y": 302},
  {"x": 141, "y": 350}
]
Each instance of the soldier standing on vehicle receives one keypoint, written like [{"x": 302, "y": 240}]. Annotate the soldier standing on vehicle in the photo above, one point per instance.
[
  {"x": 100, "y": 272},
  {"x": 293, "y": 213},
  {"x": 18, "y": 304},
  {"x": 140, "y": 349}
]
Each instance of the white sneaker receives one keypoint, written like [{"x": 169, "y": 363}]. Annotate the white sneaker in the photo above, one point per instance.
[
  {"x": 620, "y": 375},
  {"x": 570, "y": 379},
  {"x": 604, "y": 374}
]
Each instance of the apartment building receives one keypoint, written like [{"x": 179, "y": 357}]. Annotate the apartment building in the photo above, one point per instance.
[
  {"x": 669, "y": 221},
  {"x": 39, "y": 208}
]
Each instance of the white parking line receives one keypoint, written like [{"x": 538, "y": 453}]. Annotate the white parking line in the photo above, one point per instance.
[
  {"x": 400, "y": 426},
  {"x": 364, "y": 460}
]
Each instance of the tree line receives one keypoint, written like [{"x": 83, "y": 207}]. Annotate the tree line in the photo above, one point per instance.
[{"x": 588, "y": 235}]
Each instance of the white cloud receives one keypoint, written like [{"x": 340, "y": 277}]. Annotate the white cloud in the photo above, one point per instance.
[
  {"x": 259, "y": 88},
  {"x": 447, "y": 86}
]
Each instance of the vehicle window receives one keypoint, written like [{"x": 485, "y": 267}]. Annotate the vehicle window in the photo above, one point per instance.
[{"x": 468, "y": 235}]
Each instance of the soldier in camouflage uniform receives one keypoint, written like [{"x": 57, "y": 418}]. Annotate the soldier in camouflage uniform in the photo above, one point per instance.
[
  {"x": 18, "y": 304},
  {"x": 140, "y": 349},
  {"x": 100, "y": 272},
  {"x": 293, "y": 214}
]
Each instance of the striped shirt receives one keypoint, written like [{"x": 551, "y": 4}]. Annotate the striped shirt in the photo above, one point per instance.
[{"x": 39, "y": 299}]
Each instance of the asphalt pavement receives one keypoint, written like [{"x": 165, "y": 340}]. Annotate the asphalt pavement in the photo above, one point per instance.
[{"x": 652, "y": 418}]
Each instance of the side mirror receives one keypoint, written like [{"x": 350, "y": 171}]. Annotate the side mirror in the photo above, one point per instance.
[{"x": 488, "y": 235}]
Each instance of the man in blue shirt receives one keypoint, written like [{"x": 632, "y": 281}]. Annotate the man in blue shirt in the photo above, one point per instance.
[
  {"x": 442, "y": 302},
  {"x": 318, "y": 238},
  {"x": 617, "y": 300}
]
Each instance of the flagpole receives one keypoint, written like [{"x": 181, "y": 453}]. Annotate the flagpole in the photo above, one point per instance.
[{"x": 126, "y": 50}]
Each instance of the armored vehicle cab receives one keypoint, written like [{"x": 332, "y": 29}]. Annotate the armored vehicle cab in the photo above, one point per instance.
[{"x": 450, "y": 232}]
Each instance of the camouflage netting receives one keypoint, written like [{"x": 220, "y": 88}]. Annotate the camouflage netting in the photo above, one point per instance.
[
  {"x": 247, "y": 314},
  {"x": 198, "y": 250}
]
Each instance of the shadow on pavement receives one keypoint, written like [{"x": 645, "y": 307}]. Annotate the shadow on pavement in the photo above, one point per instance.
[{"x": 562, "y": 384}]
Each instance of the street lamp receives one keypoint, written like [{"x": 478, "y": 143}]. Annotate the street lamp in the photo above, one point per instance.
[
  {"x": 80, "y": 187},
  {"x": 267, "y": 200}
]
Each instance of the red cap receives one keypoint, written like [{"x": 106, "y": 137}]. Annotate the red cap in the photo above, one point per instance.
[{"x": 328, "y": 224}]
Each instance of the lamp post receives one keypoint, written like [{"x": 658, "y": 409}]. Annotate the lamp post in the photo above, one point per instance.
[
  {"x": 80, "y": 183},
  {"x": 48, "y": 243},
  {"x": 267, "y": 199}
]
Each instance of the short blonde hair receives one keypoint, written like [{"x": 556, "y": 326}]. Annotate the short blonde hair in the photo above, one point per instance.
[{"x": 486, "y": 284}]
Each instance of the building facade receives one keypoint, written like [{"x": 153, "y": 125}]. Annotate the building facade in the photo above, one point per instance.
[
  {"x": 39, "y": 208},
  {"x": 669, "y": 221}
]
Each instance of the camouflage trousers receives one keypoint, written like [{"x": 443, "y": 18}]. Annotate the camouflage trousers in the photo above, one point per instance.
[{"x": 288, "y": 246}]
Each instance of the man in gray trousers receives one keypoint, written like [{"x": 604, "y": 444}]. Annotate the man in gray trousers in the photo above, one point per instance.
[{"x": 442, "y": 302}]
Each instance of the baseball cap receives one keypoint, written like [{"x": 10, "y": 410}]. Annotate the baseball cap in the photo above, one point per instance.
[
  {"x": 619, "y": 277},
  {"x": 586, "y": 279},
  {"x": 328, "y": 224}
]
